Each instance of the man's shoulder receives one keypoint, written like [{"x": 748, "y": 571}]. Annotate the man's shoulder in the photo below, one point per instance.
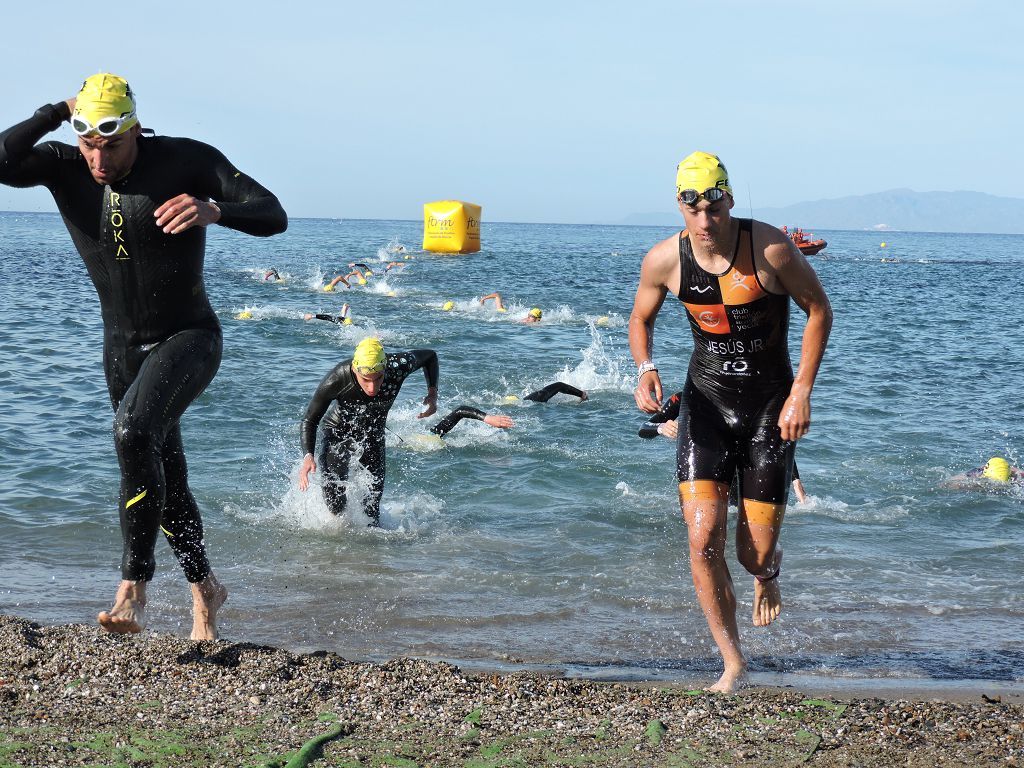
[{"x": 179, "y": 145}]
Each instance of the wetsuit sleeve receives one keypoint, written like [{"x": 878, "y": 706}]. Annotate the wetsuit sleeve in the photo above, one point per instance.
[
  {"x": 332, "y": 386},
  {"x": 667, "y": 412},
  {"x": 555, "y": 388},
  {"x": 328, "y": 318},
  {"x": 245, "y": 204},
  {"x": 445, "y": 425},
  {"x": 22, "y": 163},
  {"x": 796, "y": 471},
  {"x": 425, "y": 359}
]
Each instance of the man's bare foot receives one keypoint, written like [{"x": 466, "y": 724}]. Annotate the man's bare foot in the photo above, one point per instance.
[
  {"x": 732, "y": 679},
  {"x": 207, "y": 596},
  {"x": 767, "y": 600},
  {"x": 128, "y": 615}
]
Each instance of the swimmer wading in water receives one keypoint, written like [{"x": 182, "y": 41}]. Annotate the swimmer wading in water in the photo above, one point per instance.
[
  {"x": 360, "y": 392},
  {"x": 742, "y": 409},
  {"x": 137, "y": 208}
]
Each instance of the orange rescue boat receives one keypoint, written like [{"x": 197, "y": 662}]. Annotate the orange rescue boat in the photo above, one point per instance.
[{"x": 804, "y": 241}]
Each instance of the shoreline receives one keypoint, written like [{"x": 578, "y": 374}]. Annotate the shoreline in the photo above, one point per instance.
[{"x": 73, "y": 695}]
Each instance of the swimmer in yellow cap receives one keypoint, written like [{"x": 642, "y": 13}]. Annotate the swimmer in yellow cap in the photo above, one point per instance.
[
  {"x": 997, "y": 472},
  {"x": 362, "y": 390},
  {"x": 144, "y": 241},
  {"x": 734, "y": 279},
  {"x": 448, "y": 306},
  {"x": 533, "y": 316},
  {"x": 245, "y": 314},
  {"x": 339, "y": 279}
]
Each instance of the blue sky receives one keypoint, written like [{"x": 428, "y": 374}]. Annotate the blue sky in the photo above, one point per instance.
[{"x": 550, "y": 111}]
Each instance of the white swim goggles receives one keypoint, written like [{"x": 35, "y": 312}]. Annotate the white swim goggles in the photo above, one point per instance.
[{"x": 108, "y": 126}]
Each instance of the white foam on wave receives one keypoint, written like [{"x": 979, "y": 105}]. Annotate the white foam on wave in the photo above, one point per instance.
[{"x": 598, "y": 370}]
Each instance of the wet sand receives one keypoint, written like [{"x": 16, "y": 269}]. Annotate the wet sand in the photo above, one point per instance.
[{"x": 74, "y": 696}]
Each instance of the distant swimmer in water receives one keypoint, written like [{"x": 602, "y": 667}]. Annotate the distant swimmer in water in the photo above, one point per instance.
[
  {"x": 445, "y": 425},
  {"x": 367, "y": 270},
  {"x": 360, "y": 278},
  {"x": 339, "y": 279},
  {"x": 665, "y": 423},
  {"x": 533, "y": 316},
  {"x": 137, "y": 208},
  {"x": 272, "y": 275},
  {"x": 362, "y": 389},
  {"x": 342, "y": 318},
  {"x": 544, "y": 394},
  {"x": 997, "y": 473}
]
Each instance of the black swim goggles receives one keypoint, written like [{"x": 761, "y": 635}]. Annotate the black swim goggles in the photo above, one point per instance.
[
  {"x": 692, "y": 196},
  {"x": 108, "y": 126}
]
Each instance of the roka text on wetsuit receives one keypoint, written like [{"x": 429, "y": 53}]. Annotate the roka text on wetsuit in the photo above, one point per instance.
[
  {"x": 738, "y": 379},
  {"x": 356, "y": 421},
  {"x": 162, "y": 340}
]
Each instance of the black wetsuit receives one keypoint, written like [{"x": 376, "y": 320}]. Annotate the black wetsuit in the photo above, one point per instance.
[
  {"x": 445, "y": 425},
  {"x": 555, "y": 388},
  {"x": 162, "y": 340},
  {"x": 339, "y": 319},
  {"x": 739, "y": 376},
  {"x": 357, "y": 422}
]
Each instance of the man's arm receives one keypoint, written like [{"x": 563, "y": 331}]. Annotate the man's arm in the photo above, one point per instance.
[
  {"x": 799, "y": 280},
  {"x": 427, "y": 360},
  {"x": 555, "y": 388},
  {"x": 667, "y": 414},
  {"x": 22, "y": 163},
  {"x": 238, "y": 201},
  {"x": 650, "y": 295},
  {"x": 331, "y": 386}
]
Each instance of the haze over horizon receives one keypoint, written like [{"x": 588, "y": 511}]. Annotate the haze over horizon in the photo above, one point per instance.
[{"x": 561, "y": 113}]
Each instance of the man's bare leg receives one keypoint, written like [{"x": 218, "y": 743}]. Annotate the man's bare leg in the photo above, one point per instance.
[
  {"x": 207, "y": 597},
  {"x": 767, "y": 595},
  {"x": 706, "y": 521},
  {"x": 128, "y": 615}
]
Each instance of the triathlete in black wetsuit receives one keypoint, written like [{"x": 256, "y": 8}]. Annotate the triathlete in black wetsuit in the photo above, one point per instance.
[
  {"x": 137, "y": 209},
  {"x": 363, "y": 389},
  {"x": 742, "y": 407}
]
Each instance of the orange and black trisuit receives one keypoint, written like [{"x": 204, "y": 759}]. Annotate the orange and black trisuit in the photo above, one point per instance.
[{"x": 738, "y": 380}]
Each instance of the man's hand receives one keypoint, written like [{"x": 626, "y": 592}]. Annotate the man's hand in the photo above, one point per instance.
[
  {"x": 669, "y": 429},
  {"x": 71, "y": 103},
  {"x": 795, "y": 419},
  {"x": 308, "y": 465},
  {"x": 501, "y": 422},
  {"x": 431, "y": 402},
  {"x": 648, "y": 392},
  {"x": 184, "y": 212}
]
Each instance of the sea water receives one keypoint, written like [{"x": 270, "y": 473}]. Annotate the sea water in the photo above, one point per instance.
[{"x": 557, "y": 543}]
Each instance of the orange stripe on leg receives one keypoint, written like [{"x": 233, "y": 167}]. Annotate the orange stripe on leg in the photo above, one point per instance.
[
  {"x": 703, "y": 490},
  {"x": 764, "y": 512}
]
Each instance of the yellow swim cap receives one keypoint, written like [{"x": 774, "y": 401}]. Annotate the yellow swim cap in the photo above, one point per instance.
[
  {"x": 510, "y": 398},
  {"x": 448, "y": 306},
  {"x": 701, "y": 171},
  {"x": 104, "y": 106},
  {"x": 244, "y": 315},
  {"x": 328, "y": 288},
  {"x": 369, "y": 356},
  {"x": 602, "y": 320},
  {"x": 347, "y": 321},
  {"x": 997, "y": 469},
  {"x": 536, "y": 313},
  {"x": 362, "y": 281}
]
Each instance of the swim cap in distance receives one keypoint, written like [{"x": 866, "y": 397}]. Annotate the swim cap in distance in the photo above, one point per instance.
[
  {"x": 244, "y": 315},
  {"x": 369, "y": 356},
  {"x": 997, "y": 469},
  {"x": 535, "y": 312},
  {"x": 701, "y": 171},
  {"x": 105, "y": 97},
  {"x": 328, "y": 287},
  {"x": 448, "y": 306}
]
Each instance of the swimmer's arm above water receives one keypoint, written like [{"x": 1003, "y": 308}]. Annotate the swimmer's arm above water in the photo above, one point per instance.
[{"x": 427, "y": 360}]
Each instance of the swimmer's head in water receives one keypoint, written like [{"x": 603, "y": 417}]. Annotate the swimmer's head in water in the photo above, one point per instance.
[
  {"x": 244, "y": 315},
  {"x": 328, "y": 287},
  {"x": 535, "y": 313},
  {"x": 701, "y": 171},
  {"x": 369, "y": 357},
  {"x": 997, "y": 469},
  {"x": 104, "y": 107},
  {"x": 448, "y": 306}
]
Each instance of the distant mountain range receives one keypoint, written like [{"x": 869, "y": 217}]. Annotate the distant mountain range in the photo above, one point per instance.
[{"x": 895, "y": 209}]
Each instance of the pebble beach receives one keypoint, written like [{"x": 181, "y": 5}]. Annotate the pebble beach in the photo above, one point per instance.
[{"x": 72, "y": 695}]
